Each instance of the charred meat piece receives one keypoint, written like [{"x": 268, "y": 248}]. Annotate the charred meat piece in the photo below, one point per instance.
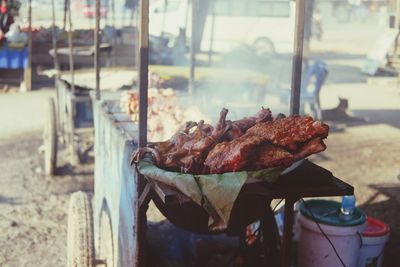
[
  {"x": 234, "y": 155},
  {"x": 279, "y": 116},
  {"x": 291, "y": 131},
  {"x": 270, "y": 156},
  {"x": 208, "y": 142},
  {"x": 311, "y": 147},
  {"x": 244, "y": 124}
]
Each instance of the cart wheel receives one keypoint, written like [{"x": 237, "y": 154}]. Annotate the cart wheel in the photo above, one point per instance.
[
  {"x": 50, "y": 138},
  {"x": 264, "y": 47},
  {"x": 80, "y": 247},
  {"x": 106, "y": 244}
]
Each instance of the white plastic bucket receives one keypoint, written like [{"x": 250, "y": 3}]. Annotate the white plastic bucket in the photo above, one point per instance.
[
  {"x": 374, "y": 240},
  {"x": 315, "y": 250},
  {"x": 371, "y": 252}
]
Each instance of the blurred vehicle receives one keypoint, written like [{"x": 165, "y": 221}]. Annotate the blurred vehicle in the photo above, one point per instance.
[
  {"x": 267, "y": 25},
  {"x": 88, "y": 8}
]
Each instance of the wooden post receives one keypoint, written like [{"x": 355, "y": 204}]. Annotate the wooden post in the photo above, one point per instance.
[
  {"x": 28, "y": 69},
  {"x": 97, "y": 49},
  {"x": 297, "y": 57},
  {"x": 141, "y": 220}
]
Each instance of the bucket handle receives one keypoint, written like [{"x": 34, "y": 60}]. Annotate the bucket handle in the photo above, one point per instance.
[{"x": 360, "y": 236}]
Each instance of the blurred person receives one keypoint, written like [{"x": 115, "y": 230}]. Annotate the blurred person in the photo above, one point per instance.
[
  {"x": 5, "y": 20},
  {"x": 316, "y": 29},
  {"x": 129, "y": 7},
  {"x": 8, "y": 10}
]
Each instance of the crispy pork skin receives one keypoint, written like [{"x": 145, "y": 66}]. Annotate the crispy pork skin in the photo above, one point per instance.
[
  {"x": 270, "y": 156},
  {"x": 291, "y": 131},
  {"x": 311, "y": 147},
  {"x": 232, "y": 156}
]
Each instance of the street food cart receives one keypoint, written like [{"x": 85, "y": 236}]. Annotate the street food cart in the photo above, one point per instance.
[{"x": 112, "y": 230}]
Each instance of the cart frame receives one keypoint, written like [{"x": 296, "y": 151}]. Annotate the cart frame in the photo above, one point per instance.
[{"x": 126, "y": 199}]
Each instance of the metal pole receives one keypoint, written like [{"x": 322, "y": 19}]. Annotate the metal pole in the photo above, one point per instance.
[
  {"x": 141, "y": 219},
  {"x": 113, "y": 13},
  {"x": 54, "y": 36},
  {"x": 71, "y": 49},
  {"x": 55, "y": 57},
  {"x": 210, "y": 51},
  {"x": 73, "y": 158},
  {"x": 297, "y": 57},
  {"x": 143, "y": 70},
  {"x": 192, "y": 48},
  {"x": 28, "y": 70},
  {"x": 397, "y": 17},
  {"x": 97, "y": 49},
  {"x": 65, "y": 14}
]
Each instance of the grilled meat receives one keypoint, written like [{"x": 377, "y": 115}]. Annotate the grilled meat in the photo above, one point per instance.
[
  {"x": 291, "y": 131},
  {"x": 311, "y": 147},
  {"x": 252, "y": 143},
  {"x": 232, "y": 156},
  {"x": 270, "y": 156}
]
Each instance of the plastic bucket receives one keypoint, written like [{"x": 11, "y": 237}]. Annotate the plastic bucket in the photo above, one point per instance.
[
  {"x": 314, "y": 248},
  {"x": 374, "y": 239}
]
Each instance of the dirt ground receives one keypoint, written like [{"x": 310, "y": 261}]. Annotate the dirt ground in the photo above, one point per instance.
[{"x": 33, "y": 207}]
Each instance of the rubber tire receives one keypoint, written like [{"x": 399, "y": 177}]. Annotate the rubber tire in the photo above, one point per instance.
[
  {"x": 264, "y": 47},
  {"x": 105, "y": 250},
  {"x": 50, "y": 139},
  {"x": 80, "y": 246}
]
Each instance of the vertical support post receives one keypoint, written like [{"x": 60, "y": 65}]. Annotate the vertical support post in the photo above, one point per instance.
[
  {"x": 141, "y": 220},
  {"x": 297, "y": 57},
  {"x": 66, "y": 3},
  {"x": 28, "y": 69},
  {"x": 287, "y": 231},
  {"x": 193, "y": 48},
  {"x": 113, "y": 13},
  {"x": 73, "y": 156},
  {"x": 55, "y": 57},
  {"x": 97, "y": 49},
  {"x": 54, "y": 35},
  {"x": 210, "y": 51},
  {"x": 397, "y": 17},
  {"x": 71, "y": 49}
]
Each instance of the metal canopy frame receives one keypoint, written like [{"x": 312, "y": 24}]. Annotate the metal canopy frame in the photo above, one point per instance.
[
  {"x": 143, "y": 64},
  {"x": 140, "y": 230}
]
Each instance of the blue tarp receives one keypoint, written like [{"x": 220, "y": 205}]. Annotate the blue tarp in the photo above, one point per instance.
[{"x": 13, "y": 58}]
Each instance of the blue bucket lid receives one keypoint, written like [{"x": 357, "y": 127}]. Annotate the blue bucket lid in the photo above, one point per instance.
[{"x": 327, "y": 212}]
